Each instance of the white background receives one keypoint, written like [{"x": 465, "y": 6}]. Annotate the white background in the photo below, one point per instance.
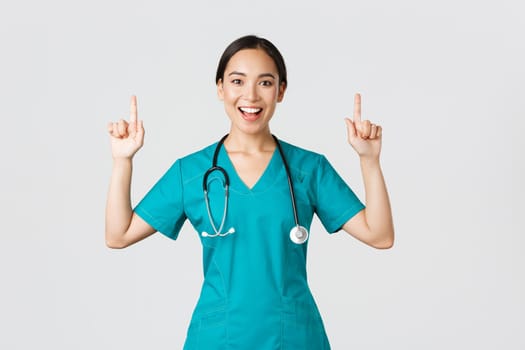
[{"x": 445, "y": 79}]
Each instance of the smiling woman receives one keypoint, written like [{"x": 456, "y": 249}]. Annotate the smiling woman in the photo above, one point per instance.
[
  {"x": 250, "y": 87},
  {"x": 248, "y": 190}
]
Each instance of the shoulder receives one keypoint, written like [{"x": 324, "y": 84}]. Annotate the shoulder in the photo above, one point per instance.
[
  {"x": 301, "y": 157},
  {"x": 202, "y": 154},
  {"x": 194, "y": 164},
  {"x": 305, "y": 164}
]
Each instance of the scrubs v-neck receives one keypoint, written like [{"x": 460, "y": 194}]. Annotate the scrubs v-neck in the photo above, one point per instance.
[{"x": 255, "y": 293}]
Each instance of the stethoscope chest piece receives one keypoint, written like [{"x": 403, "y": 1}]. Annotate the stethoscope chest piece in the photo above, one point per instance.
[{"x": 298, "y": 234}]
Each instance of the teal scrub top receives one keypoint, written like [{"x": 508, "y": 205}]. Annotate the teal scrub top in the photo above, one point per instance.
[{"x": 255, "y": 293}]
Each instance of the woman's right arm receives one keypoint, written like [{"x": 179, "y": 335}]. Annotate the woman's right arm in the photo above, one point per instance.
[{"x": 123, "y": 226}]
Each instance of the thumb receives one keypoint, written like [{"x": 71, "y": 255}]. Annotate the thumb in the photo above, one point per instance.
[{"x": 351, "y": 129}]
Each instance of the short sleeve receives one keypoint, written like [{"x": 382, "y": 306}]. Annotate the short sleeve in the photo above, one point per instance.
[
  {"x": 163, "y": 206},
  {"x": 336, "y": 202}
]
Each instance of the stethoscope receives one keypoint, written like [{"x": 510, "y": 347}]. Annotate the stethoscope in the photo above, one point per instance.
[{"x": 298, "y": 233}]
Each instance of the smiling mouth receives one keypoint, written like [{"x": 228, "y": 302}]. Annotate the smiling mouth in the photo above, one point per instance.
[{"x": 250, "y": 113}]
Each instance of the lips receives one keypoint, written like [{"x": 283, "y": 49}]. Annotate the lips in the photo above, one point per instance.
[{"x": 250, "y": 113}]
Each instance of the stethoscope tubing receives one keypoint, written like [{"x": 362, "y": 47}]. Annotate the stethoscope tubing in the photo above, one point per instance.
[
  {"x": 298, "y": 234},
  {"x": 289, "y": 178}
]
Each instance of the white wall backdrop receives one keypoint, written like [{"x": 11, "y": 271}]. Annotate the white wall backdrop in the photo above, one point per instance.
[{"x": 446, "y": 79}]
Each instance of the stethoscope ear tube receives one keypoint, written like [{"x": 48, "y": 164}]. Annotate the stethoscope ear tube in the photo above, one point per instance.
[
  {"x": 215, "y": 167},
  {"x": 226, "y": 184},
  {"x": 211, "y": 170}
]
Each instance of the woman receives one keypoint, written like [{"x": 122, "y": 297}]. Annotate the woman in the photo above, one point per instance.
[{"x": 252, "y": 210}]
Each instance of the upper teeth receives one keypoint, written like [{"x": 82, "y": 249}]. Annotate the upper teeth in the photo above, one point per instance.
[{"x": 250, "y": 110}]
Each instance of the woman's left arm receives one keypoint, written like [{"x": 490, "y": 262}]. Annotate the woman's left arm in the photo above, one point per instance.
[{"x": 373, "y": 225}]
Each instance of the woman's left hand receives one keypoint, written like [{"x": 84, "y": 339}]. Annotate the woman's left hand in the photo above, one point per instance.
[{"x": 364, "y": 136}]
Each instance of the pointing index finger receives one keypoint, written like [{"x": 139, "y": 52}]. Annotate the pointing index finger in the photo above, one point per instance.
[
  {"x": 357, "y": 108},
  {"x": 133, "y": 110}
]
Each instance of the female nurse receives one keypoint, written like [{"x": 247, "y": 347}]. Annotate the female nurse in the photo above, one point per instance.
[{"x": 255, "y": 293}]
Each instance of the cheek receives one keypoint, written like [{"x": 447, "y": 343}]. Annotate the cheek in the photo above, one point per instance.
[
  {"x": 273, "y": 96},
  {"x": 228, "y": 95}
]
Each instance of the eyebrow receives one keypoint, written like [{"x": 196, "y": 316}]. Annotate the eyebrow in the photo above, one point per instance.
[{"x": 263, "y": 75}]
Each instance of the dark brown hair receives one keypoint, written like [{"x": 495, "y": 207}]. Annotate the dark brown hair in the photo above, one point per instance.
[{"x": 252, "y": 42}]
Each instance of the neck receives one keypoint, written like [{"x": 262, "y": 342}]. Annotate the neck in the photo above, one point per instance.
[{"x": 249, "y": 143}]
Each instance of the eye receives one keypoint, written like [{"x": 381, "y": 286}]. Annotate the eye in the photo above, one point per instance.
[
  {"x": 266, "y": 83},
  {"x": 236, "y": 81}
]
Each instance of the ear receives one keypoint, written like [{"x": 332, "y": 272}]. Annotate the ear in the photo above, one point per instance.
[
  {"x": 280, "y": 94},
  {"x": 220, "y": 90}
]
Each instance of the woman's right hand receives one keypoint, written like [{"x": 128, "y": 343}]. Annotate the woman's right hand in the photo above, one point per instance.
[{"x": 127, "y": 137}]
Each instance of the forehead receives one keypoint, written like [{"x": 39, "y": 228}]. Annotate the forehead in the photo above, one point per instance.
[{"x": 248, "y": 61}]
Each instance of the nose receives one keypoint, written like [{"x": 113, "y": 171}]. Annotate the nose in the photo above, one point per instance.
[{"x": 250, "y": 92}]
